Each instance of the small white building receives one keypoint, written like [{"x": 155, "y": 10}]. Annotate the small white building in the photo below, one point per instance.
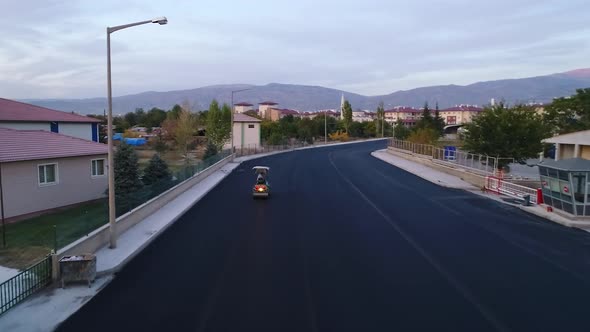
[
  {"x": 572, "y": 145},
  {"x": 246, "y": 132}
]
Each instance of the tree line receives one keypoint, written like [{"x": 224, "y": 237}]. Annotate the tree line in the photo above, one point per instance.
[{"x": 517, "y": 131}]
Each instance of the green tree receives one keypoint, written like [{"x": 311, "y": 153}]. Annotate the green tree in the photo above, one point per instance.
[
  {"x": 569, "y": 114},
  {"x": 423, "y": 136},
  {"x": 381, "y": 119},
  {"x": 438, "y": 121},
  {"x": 120, "y": 124},
  {"x": 210, "y": 151},
  {"x": 156, "y": 171},
  {"x": 426, "y": 121},
  {"x": 370, "y": 128},
  {"x": 288, "y": 126},
  {"x": 356, "y": 129},
  {"x": 174, "y": 112},
  {"x": 218, "y": 124},
  {"x": 305, "y": 130},
  {"x": 400, "y": 131},
  {"x": 154, "y": 118},
  {"x": 506, "y": 132},
  {"x": 347, "y": 115},
  {"x": 127, "y": 178},
  {"x": 185, "y": 129}
]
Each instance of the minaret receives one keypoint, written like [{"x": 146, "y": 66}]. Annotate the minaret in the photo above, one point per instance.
[{"x": 342, "y": 107}]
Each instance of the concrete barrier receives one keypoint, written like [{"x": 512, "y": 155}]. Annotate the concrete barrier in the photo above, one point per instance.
[{"x": 100, "y": 237}]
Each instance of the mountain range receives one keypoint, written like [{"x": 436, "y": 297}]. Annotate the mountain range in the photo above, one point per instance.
[{"x": 539, "y": 89}]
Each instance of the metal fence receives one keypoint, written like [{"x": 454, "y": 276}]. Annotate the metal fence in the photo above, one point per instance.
[
  {"x": 500, "y": 186},
  {"x": 129, "y": 201},
  {"x": 18, "y": 288},
  {"x": 477, "y": 163}
]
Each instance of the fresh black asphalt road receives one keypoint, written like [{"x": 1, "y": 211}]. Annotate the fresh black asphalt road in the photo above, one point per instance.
[{"x": 349, "y": 243}]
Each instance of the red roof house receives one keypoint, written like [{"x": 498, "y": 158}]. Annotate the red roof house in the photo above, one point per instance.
[{"x": 42, "y": 171}]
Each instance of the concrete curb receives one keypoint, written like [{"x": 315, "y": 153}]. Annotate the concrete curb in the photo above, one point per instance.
[{"x": 467, "y": 187}]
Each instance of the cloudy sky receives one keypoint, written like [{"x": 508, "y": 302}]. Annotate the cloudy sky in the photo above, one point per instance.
[{"x": 57, "y": 48}]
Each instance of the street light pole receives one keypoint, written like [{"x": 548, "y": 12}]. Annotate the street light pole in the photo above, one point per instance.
[
  {"x": 111, "y": 164},
  {"x": 231, "y": 133}
]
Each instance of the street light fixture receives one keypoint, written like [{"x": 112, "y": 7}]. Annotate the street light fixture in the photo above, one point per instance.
[
  {"x": 231, "y": 133},
  {"x": 111, "y": 165}
]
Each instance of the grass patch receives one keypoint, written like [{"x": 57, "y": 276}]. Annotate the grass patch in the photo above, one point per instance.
[{"x": 30, "y": 240}]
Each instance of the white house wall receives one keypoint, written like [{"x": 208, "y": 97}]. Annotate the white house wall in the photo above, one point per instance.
[
  {"x": 26, "y": 125},
  {"x": 80, "y": 130},
  {"x": 244, "y": 136},
  {"x": 24, "y": 195}
]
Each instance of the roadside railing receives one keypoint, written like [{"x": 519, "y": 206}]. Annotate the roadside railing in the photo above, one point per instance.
[
  {"x": 26, "y": 283},
  {"x": 477, "y": 163},
  {"x": 500, "y": 186},
  {"x": 251, "y": 149},
  {"x": 128, "y": 201}
]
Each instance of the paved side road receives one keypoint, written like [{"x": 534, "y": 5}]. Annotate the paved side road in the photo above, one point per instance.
[{"x": 348, "y": 243}]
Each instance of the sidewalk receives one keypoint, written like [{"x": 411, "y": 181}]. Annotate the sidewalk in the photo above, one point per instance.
[
  {"x": 450, "y": 181},
  {"x": 425, "y": 172},
  {"x": 52, "y": 306}
]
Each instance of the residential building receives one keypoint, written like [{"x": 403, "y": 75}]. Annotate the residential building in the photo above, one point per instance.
[
  {"x": 242, "y": 107},
  {"x": 329, "y": 112},
  {"x": 41, "y": 171},
  {"x": 21, "y": 116},
  {"x": 408, "y": 116},
  {"x": 275, "y": 114},
  {"x": 246, "y": 131},
  {"x": 363, "y": 116},
  {"x": 460, "y": 114},
  {"x": 264, "y": 109},
  {"x": 572, "y": 145}
]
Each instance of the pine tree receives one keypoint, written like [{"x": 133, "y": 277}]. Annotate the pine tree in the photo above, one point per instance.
[
  {"x": 218, "y": 124},
  {"x": 347, "y": 114},
  {"x": 126, "y": 170},
  {"x": 156, "y": 171},
  {"x": 439, "y": 122},
  {"x": 210, "y": 151},
  {"x": 427, "y": 121}
]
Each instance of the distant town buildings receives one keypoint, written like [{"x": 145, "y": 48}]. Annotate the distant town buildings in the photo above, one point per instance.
[{"x": 408, "y": 116}]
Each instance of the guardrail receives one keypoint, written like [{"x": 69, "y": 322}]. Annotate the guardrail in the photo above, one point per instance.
[
  {"x": 500, "y": 186},
  {"x": 480, "y": 164},
  {"x": 26, "y": 283}
]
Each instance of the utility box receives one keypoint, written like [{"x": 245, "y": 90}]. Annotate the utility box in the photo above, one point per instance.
[{"x": 77, "y": 268}]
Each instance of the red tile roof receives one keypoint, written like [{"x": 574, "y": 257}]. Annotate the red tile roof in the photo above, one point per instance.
[
  {"x": 239, "y": 117},
  {"x": 243, "y": 104},
  {"x": 267, "y": 103},
  {"x": 19, "y": 145},
  {"x": 11, "y": 110}
]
